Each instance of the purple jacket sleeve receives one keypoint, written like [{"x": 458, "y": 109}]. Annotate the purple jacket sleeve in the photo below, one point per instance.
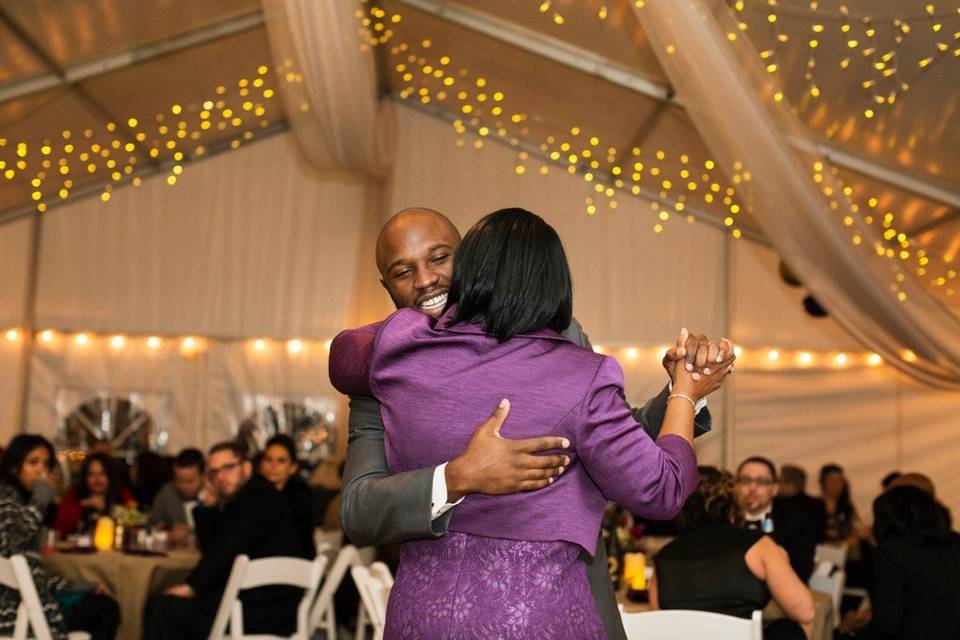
[
  {"x": 350, "y": 354},
  {"x": 650, "y": 479}
]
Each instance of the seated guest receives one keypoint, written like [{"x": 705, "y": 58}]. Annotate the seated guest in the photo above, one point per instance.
[
  {"x": 147, "y": 476},
  {"x": 173, "y": 507},
  {"x": 279, "y": 466},
  {"x": 842, "y": 521},
  {"x": 916, "y": 576},
  {"x": 889, "y": 479},
  {"x": 793, "y": 488},
  {"x": 25, "y": 494},
  {"x": 760, "y": 509},
  {"x": 714, "y": 565},
  {"x": 98, "y": 490},
  {"x": 918, "y": 480},
  {"x": 241, "y": 513}
]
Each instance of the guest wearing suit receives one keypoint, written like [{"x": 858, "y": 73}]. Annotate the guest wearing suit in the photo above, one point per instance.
[
  {"x": 242, "y": 513},
  {"x": 916, "y": 573},
  {"x": 761, "y": 510},
  {"x": 793, "y": 489},
  {"x": 415, "y": 253},
  {"x": 514, "y": 558}
]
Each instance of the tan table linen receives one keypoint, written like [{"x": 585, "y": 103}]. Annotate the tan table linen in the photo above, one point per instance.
[{"x": 131, "y": 579}]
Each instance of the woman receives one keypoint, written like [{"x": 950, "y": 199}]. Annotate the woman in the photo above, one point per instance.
[
  {"x": 842, "y": 521},
  {"x": 916, "y": 577},
  {"x": 714, "y": 565},
  {"x": 98, "y": 490},
  {"x": 24, "y": 496},
  {"x": 279, "y": 466},
  {"x": 509, "y": 565}
]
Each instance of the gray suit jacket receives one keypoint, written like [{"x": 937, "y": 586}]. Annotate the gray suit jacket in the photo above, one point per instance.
[{"x": 380, "y": 508}]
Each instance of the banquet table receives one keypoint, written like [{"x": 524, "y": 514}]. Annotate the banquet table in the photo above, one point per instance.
[{"x": 131, "y": 579}]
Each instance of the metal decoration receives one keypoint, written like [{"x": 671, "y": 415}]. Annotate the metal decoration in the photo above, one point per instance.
[
  {"x": 309, "y": 421},
  {"x": 127, "y": 422}
]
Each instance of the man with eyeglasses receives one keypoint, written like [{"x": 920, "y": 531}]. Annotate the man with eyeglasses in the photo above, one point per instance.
[
  {"x": 790, "y": 527},
  {"x": 240, "y": 513}
]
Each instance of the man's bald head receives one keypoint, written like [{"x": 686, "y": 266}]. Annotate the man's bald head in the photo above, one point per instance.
[
  {"x": 415, "y": 258},
  {"x": 413, "y": 220}
]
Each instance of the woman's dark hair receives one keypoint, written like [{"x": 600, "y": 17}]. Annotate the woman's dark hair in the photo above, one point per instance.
[
  {"x": 17, "y": 451},
  {"x": 844, "y": 504},
  {"x": 911, "y": 513},
  {"x": 511, "y": 275},
  {"x": 285, "y": 441},
  {"x": 115, "y": 489},
  {"x": 714, "y": 501}
]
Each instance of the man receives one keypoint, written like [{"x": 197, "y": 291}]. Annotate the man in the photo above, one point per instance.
[
  {"x": 793, "y": 489},
  {"x": 173, "y": 507},
  {"x": 241, "y": 513},
  {"x": 414, "y": 255},
  {"x": 790, "y": 527}
]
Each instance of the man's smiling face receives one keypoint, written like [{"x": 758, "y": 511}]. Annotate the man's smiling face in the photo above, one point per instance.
[{"x": 415, "y": 258}]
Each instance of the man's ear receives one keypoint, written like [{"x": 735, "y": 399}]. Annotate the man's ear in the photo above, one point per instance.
[
  {"x": 247, "y": 468},
  {"x": 776, "y": 489},
  {"x": 384, "y": 285}
]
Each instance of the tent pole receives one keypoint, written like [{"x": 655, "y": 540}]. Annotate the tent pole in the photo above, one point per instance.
[
  {"x": 730, "y": 382},
  {"x": 29, "y": 319}
]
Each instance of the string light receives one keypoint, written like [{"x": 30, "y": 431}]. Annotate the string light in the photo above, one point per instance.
[
  {"x": 118, "y": 342},
  {"x": 114, "y": 157},
  {"x": 294, "y": 346},
  {"x": 260, "y": 344},
  {"x": 424, "y": 75},
  {"x": 878, "y": 40},
  {"x": 12, "y": 335},
  {"x": 81, "y": 339}
]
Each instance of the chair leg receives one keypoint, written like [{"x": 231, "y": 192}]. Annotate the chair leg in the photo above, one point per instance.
[{"x": 361, "y": 633}]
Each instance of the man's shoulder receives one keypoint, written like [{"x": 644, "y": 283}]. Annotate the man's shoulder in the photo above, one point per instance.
[{"x": 787, "y": 513}]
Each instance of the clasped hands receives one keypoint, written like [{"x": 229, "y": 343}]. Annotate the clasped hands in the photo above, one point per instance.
[{"x": 495, "y": 465}]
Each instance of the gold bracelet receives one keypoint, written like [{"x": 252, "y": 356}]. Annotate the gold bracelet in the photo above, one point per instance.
[{"x": 685, "y": 397}]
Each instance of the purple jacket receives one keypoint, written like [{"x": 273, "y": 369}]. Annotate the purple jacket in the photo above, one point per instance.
[{"x": 436, "y": 382}]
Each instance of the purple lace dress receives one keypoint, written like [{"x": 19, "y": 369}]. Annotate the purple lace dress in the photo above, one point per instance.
[
  {"x": 463, "y": 586},
  {"x": 510, "y": 565}
]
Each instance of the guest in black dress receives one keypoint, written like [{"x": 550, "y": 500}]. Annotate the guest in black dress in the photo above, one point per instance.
[
  {"x": 279, "y": 466},
  {"x": 916, "y": 584},
  {"x": 714, "y": 565}
]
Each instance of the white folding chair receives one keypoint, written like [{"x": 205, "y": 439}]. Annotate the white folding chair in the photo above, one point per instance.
[
  {"x": 676, "y": 624},
  {"x": 374, "y": 585},
  {"x": 836, "y": 554},
  {"x": 15, "y": 574},
  {"x": 322, "y": 615},
  {"x": 250, "y": 574},
  {"x": 830, "y": 580}
]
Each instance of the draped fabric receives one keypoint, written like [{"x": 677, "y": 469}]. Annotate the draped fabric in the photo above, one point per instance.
[
  {"x": 330, "y": 91},
  {"x": 731, "y": 100},
  {"x": 254, "y": 244}
]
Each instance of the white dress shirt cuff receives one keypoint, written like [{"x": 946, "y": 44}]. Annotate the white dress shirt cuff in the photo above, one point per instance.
[
  {"x": 701, "y": 403},
  {"x": 438, "y": 499}
]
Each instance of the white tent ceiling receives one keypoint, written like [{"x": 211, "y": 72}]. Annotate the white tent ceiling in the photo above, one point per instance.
[{"x": 78, "y": 65}]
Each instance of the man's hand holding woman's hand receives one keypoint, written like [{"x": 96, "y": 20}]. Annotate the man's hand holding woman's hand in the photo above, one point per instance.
[{"x": 697, "y": 365}]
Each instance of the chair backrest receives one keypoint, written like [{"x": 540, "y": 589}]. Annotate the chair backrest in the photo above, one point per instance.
[
  {"x": 250, "y": 574},
  {"x": 374, "y": 591},
  {"x": 321, "y": 615},
  {"x": 826, "y": 579},
  {"x": 15, "y": 574},
  {"x": 224, "y": 611},
  {"x": 833, "y": 553},
  {"x": 691, "y": 625}
]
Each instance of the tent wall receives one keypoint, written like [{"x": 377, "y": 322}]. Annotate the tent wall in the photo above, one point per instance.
[
  {"x": 251, "y": 244},
  {"x": 14, "y": 264}
]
